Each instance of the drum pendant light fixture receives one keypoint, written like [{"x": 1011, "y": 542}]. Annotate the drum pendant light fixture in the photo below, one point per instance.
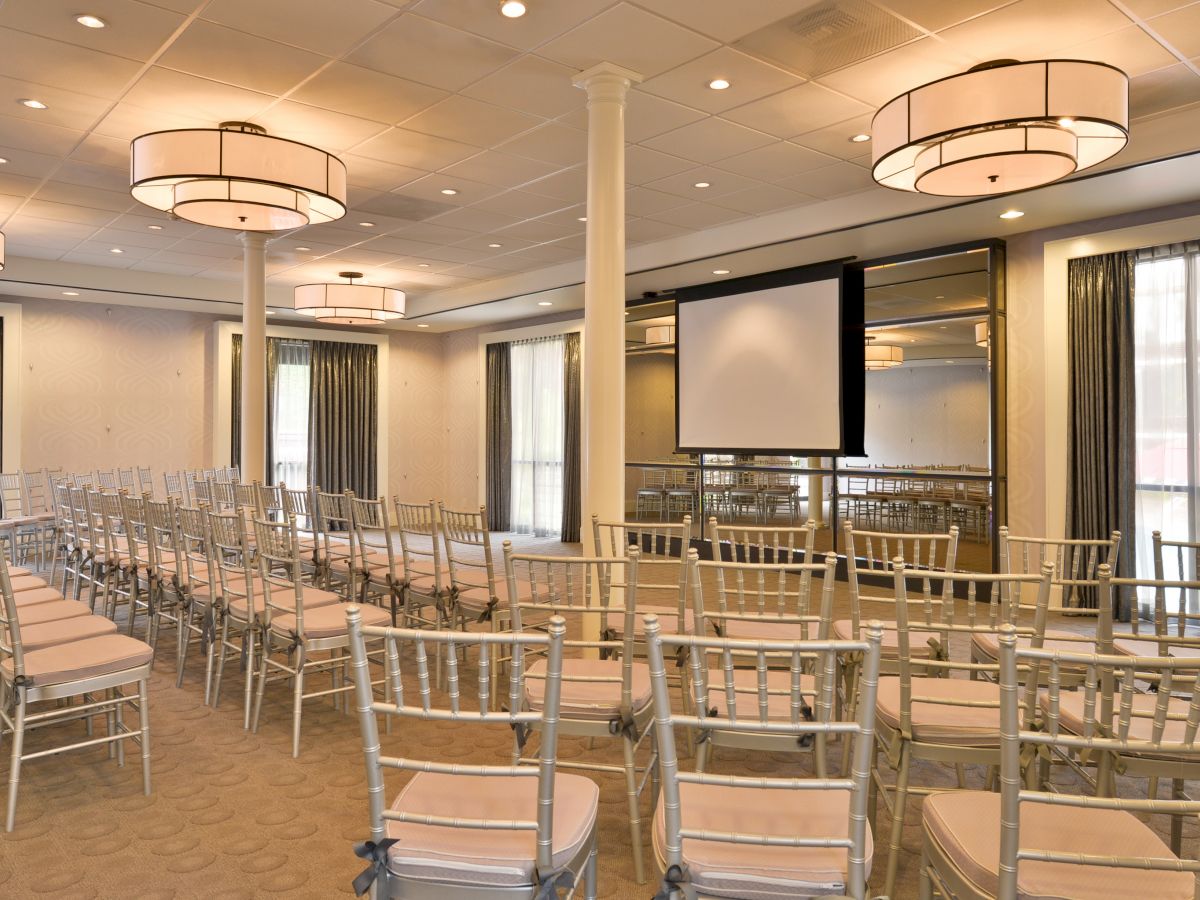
[
  {"x": 349, "y": 303},
  {"x": 1, "y": 250},
  {"x": 1001, "y": 126},
  {"x": 882, "y": 356},
  {"x": 238, "y": 177}
]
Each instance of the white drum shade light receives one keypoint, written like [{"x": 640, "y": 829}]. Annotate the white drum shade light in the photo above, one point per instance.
[
  {"x": 349, "y": 303},
  {"x": 660, "y": 334},
  {"x": 882, "y": 356},
  {"x": 1002, "y": 126},
  {"x": 981, "y": 334},
  {"x": 237, "y": 176}
]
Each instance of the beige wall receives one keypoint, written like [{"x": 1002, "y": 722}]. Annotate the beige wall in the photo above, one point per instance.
[
  {"x": 417, "y": 418},
  {"x": 649, "y": 405}
]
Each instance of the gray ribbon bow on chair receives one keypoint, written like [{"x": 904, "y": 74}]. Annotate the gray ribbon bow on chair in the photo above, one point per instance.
[
  {"x": 489, "y": 611},
  {"x": 554, "y": 881},
  {"x": 376, "y": 855},
  {"x": 673, "y": 880}
]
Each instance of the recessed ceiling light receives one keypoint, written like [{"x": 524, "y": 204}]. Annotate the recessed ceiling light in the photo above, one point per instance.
[
  {"x": 512, "y": 9},
  {"x": 720, "y": 271},
  {"x": 912, "y": 340},
  {"x": 718, "y": 84},
  {"x": 422, "y": 325},
  {"x": 1011, "y": 214},
  {"x": 949, "y": 362},
  {"x": 366, "y": 224},
  {"x": 942, "y": 327},
  {"x": 860, "y": 138},
  {"x": 495, "y": 245},
  {"x": 545, "y": 303},
  {"x": 70, "y": 293},
  {"x": 303, "y": 249},
  {"x": 940, "y": 297},
  {"x": 1066, "y": 123},
  {"x": 116, "y": 250},
  {"x": 701, "y": 184},
  {"x": 422, "y": 265},
  {"x": 155, "y": 227},
  {"x": 32, "y": 104},
  {"x": 88, "y": 21},
  {"x": 449, "y": 192},
  {"x": 2, "y": 160},
  {"x": 581, "y": 219}
]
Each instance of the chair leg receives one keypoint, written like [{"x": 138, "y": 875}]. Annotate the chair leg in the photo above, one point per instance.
[
  {"x": 222, "y": 646},
  {"x": 297, "y": 701},
  {"x": 262, "y": 682},
  {"x": 635, "y": 819},
  {"x": 144, "y": 725},
  {"x": 899, "y": 801},
  {"x": 589, "y": 875},
  {"x": 926, "y": 889},
  {"x": 1177, "y": 793},
  {"x": 248, "y": 701},
  {"x": 14, "y": 770}
]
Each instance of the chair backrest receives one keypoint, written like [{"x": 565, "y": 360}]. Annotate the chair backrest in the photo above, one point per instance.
[
  {"x": 35, "y": 493},
  {"x": 1176, "y": 561},
  {"x": 1076, "y": 562},
  {"x": 467, "y": 542},
  {"x": 763, "y": 543},
  {"x": 108, "y": 522},
  {"x": 872, "y": 553},
  {"x": 195, "y": 548},
  {"x": 107, "y": 481},
  {"x": 145, "y": 476},
  {"x": 1112, "y": 723},
  {"x": 173, "y": 484},
  {"x": 1173, "y": 628},
  {"x": 85, "y": 534},
  {"x": 10, "y": 628},
  {"x": 133, "y": 526},
  {"x": 333, "y": 525},
  {"x": 417, "y": 704},
  {"x": 162, "y": 540},
  {"x": 300, "y": 503},
  {"x": 280, "y": 570},
  {"x": 12, "y": 504},
  {"x": 232, "y": 559},
  {"x": 662, "y": 560},
  {"x": 420, "y": 547},
  {"x": 371, "y": 530},
  {"x": 199, "y": 489},
  {"x": 825, "y": 658},
  {"x": 269, "y": 502},
  {"x": 126, "y": 480}
]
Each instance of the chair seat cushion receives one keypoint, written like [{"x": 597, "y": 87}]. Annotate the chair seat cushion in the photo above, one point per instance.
[
  {"x": 966, "y": 826},
  {"x": 27, "y": 583},
  {"x": 310, "y": 598},
  {"x": 328, "y": 621},
  {"x": 668, "y": 621},
  {"x": 988, "y": 642},
  {"x": 918, "y": 641},
  {"x": 491, "y": 858},
  {"x": 719, "y": 869},
  {"x": 1141, "y": 723},
  {"x": 37, "y": 596},
  {"x": 50, "y": 612},
  {"x": 83, "y": 659},
  {"x": 64, "y": 631},
  {"x": 766, "y": 630},
  {"x": 474, "y": 598},
  {"x": 1143, "y": 647},
  {"x": 938, "y": 723},
  {"x": 589, "y": 699},
  {"x": 375, "y": 561},
  {"x": 746, "y": 698}
]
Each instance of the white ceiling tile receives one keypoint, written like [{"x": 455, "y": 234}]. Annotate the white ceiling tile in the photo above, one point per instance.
[
  {"x": 174, "y": 257},
  {"x": 797, "y": 110},
  {"x": 521, "y": 204},
  {"x": 834, "y": 140},
  {"x": 65, "y": 108},
  {"x": 322, "y": 128},
  {"x": 360, "y": 256},
  {"x": 107, "y": 178},
  {"x": 152, "y": 240},
  {"x": 454, "y": 254},
  {"x": 544, "y": 21},
  {"x": 1181, "y": 29},
  {"x": 17, "y": 185},
  {"x": 639, "y": 231},
  {"x": 460, "y": 118},
  {"x": 500, "y": 169},
  {"x": 533, "y": 85},
  {"x": 41, "y": 137},
  {"x": 552, "y": 143},
  {"x": 702, "y": 215},
  {"x": 395, "y": 244},
  {"x": 539, "y": 230},
  {"x": 709, "y": 140},
  {"x": 934, "y": 15},
  {"x": 44, "y": 249},
  {"x": 30, "y": 224},
  {"x": 775, "y": 162},
  {"x": 431, "y": 186},
  {"x": 1033, "y": 29},
  {"x": 102, "y": 150},
  {"x": 27, "y": 163},
  {"x": 102, "y": 248},
  {"x": 1165, "y": 89},
  {"x": 135, "y": 29},
  {"x": 482, "y": 243},
  {"x": 48, "y": 211},
  {"x": 763, "y": 198},
  {"x": 377, "y": 174},
  {"x": 430, "y": 233},
  {"x": 317, "y": 25},
  {"x": 645, "y": 117},
  {"x": 749, "y": 79},
  {"x": 192, "y": 98},
  {"x": 643, "y": 165},
  {"x": 629, "y": 37},
  {"x": 367, "y": 93},
  {"x": 92, "y": 198},
  {"x": 567, "y": 217},
  {"x": 890, "y": 74},
  {"x": 831, "y": 181},
  {"x": 568, "y": 184},
  {"x": 722, "y": 19},
  {"x": 97, "y": 259},
  {"x": 25, "y": 57},
  {"x": 165, "y": 268},
  {"x": 719, "y": 182},
  {"x": 549, "y": 253},
  {"x": 199, "y": 247},
  {"x": 641, "y": 201},
  {"x": 431, "y": 53},
  {"x": 476, "y": 271},
  {"x": 473, "y": 219},
  {"x": 416, "y": 150},
  {"x": 1148, "y": 8},
  {"x": 140, "y": 222},
  {"x": 234, "y": 57},
  {"x": 1130, "y": 49},
  {"x": 126, "y": 121}
]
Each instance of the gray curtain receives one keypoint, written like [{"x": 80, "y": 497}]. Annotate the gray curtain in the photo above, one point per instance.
[
  {"x": 343, "y": 417},
  {"x": 235, "y": 406},
  {"x": 1100, "y": 440},
  {"x": 571, "y": 450},
  {"x": 499, "y": 436}
]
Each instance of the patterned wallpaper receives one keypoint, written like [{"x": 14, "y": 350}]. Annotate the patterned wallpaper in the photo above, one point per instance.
[
  {"x": 463, "y": 437},
  {"x": 416, "y": 420}
]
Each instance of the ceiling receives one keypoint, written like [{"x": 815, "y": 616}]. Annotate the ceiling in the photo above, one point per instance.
[{"x": 419, "y": 97}]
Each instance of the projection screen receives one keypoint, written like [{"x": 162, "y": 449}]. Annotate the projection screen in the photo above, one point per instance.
[{"x": 760, "y": 365}]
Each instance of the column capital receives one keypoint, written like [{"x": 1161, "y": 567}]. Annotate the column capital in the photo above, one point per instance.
[
  {"x": 606, "y": 81},
  {"x": 253, "y": 239}
]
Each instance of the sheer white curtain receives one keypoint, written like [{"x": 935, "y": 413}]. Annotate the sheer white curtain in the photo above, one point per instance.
[
  {"x": 1165, "y": 329},
  {"x": 289, "y": 414},
  {"x": 537, "y": 435}
]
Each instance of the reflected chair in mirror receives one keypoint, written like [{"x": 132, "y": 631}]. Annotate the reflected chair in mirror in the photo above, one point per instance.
[
  {"x": 459, "y": 831},
  {"x": 38, "y": 505},
  {"x": 650, "y": 499},
  {"x": 1076, "y": 564},
  {"x": 1033, "y": 842},
  {"x": 762, "y": 543},
  {"x": 683, "y": 492},
  {"x": 744, "y": 498},
  {"x": 603, "y": 697},
  {"x": 780, "y": 492},
  {"x": 938, "y": 709},
  {"x": 754, "y": 836}
]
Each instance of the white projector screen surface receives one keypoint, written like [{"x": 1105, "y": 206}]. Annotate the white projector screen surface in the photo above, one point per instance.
[{"x": 761, "y": 371}]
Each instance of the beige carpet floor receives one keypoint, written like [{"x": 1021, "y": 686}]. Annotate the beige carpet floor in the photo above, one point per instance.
[{"x": 234, "y": 816}]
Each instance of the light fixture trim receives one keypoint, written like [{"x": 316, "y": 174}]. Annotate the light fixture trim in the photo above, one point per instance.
[
  {"x": 719, "y": 84},
  {"x": 87, "y": 20},
  {"x": 702, "y": 184},
  {"x": 512, "y": 9},
  {"x": 32, "y": 103},
  {"x": 861, "y": 138}
]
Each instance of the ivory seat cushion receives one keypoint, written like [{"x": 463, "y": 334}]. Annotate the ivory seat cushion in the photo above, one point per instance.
[
  {"x": 328, "y": 621},
  {"x": 489, "y": 858},
  {"x": 204, "y": 593},
  {"x": 766, "y": 630},
  {"x": 988, "y": 642},
  {"x": 918, "y": 641},
  {"x": 310, "y": 598},
  {"x": 966, "y": 825},
  {"x": 755, "y": 872},
  {"x": 1142, "y": 647},
  {"x": 937, "y": 723},
  {"x": 746, "y": 699},
  {"x": 475, "y": 598},
  {"x": 27, "y": 583},
  {"x": 1141, "y": 724},
  {"x": 64, "y": 631},
  {"x": 668, "y": 621},
  {"x": 50, "y": 612},
  {"x": 37, "y": 596},
  {"x": 374, "y": 561},
  {"x": 589, "y": 699},
  {"x": 83, "y": 659}
]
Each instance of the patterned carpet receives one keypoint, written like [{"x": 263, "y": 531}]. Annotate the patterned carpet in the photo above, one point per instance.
[{"x": 234, "y": 816}]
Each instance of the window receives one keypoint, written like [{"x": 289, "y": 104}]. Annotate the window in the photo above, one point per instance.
[
  {"x": 537, "y": 436},
  {"x": 289, "y": 414}
]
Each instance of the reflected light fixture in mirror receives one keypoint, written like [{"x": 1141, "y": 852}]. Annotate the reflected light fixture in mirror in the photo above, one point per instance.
[
  {"x": 1001, "y": 126},
  {"x": 660, "y": 334},
  {"x": 2, "y": 250},
  {"x": 981, "y": 334},
  {"x": 349, "y": 303},
  {"x": 882, "y": 356}
]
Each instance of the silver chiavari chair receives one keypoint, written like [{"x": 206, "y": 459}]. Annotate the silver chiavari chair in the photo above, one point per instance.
[
  {"x": 21, "y": 530},
  {"x": 377, "y": 565},
  {"x": 174, "y": 486},
  {"x": 426, "y": 588},
  {"x": 106, "y": 481},
  {"x": 1032, "y": 842},
  {"x": 1076, "y": 564},
  {"x": 300, "y": 504},
  {"x": 477, "y": 591},
  {"x": 336, "y": 532},
  {"x": 126, "y": 480},
  {"x": 926, "y": 713},
  {"x": 762, "y": 543},
  {"x": 198, "y": 616},
  {"x": 776, "y": 836},
  {"x": 471, "y": 831},
  {"x": 298, "y": 643},
  {"x": 168, "y": 589},
  {"x": 116, "y": 580},
  {"x": 34, "y": 682},
  {"x": 38, "y": 506},
  {"x": 68, "y": 546},
  {"x": 90, "y": 536},
  {"x": 135, "y": 560},
  {"x": 269, "y": 502},
  {"x": 603, "y": 697},
  {"x": 145, "y": 480}
]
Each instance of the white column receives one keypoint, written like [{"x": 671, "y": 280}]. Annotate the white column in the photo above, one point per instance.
[
  {"x": 603, "y": 438},
  {"x": 254, "y": 357}
]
